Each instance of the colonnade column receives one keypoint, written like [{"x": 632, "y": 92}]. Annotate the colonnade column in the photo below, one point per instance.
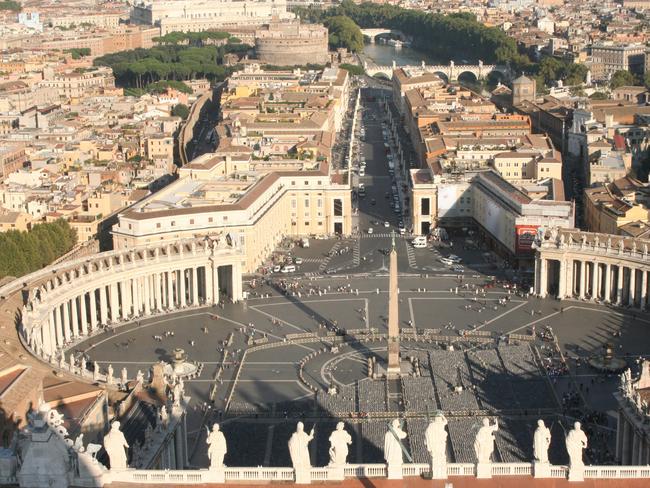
[
  {"x": 594, "y": 281},
  {"x": 137, "y": 296},
  {"x": 115, "y": 303},
  {"x": 195, "y": 286},
  {"x": 93, "y": 309},
  {"x": 66, "y": 321},
  {"x": 583, "y": 278},
  {"x": 146, "y": 292},
  {"x": 215, "y": 283},
  {"x": 103, "y": 305},
  {"x": 183, "y": 300},
  {"x": 55, "y": 318},
  {"x": 84, "y": 314},
  {"x": 236, "y": 282},
  {"x": 608, "y": 283},
  {"x": 126, "y": 298},
  {"x": 543, "y": 285},
  {"x": 644, "y": 288},
  {"x": 561, "y": 292},
  {"x": 209, "y": 277},
  {"x": 75, "y": 317},
  {"x": 619, "y": 285},
  {"x": 158, "y": 291},
  {"x": 47, "y": 339},
  {"x": 570, "y": 285},
  {"x": 632, "y": 287},
  {"x": 170, "y": 290}
]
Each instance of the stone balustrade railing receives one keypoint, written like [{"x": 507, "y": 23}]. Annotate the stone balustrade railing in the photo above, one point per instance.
[{"x": 320, "y": 474}]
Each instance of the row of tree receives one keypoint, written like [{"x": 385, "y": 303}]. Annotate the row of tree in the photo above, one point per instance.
[
  {"x": 24, "y": 252},
  {"x": 446, "y": 37},
  {"x": 10, "y": 5},
  {"x": 192, "y": 38},
  {"x": 141, "y": 67}
]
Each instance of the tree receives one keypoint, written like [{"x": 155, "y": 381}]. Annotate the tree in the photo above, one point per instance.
[
  {"x": 646, "y": 80},
  {"x": 353, "y": 69},
  {"x": 343, "y": 32},
  {"x": 621, "y": 78},
  {"x": 181, "y": 110},
  {"x": 10, "y": 5}
]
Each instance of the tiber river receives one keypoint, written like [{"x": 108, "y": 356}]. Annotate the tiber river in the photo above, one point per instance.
[{"x": 383, "y": 55}]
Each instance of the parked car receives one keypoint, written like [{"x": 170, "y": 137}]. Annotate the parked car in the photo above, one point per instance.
[{"x": 288, "y": 268}]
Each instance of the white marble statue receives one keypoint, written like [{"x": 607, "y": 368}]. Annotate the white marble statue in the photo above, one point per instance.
[
  {"x": 139, "y": 376},
  {"x": 115, "y": 446},
  {"x": 95, "y": 371},
  {"x": 435, "y": 440},
  {"x": 299, "y": 447},
  {"x": 109, "y": 374},
  {"x": 124, "y": 376},
  {"x": 541, "y": 442},
  {"x": 164, "y": 416},
  {"x": 72, "y": 363},
  {"x": 576, "y": 441},
  {"x": 218, "y": 447},
  {"x": 392, "y": 444},
  {"x": 484, "y": 442},
  {"x": 340, "y": 439}
]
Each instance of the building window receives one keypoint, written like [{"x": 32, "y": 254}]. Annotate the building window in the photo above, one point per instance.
[
  {"x": 338, "y": 207},
  {"x": 293, "y": 203},
  {"x": 306, "y": 202},
  {"x": 158, "y": 225},
  {"x": 191, "y": 221},
  {"x": 319, "y": 203},
  {"x": 210, "y": 219},
  {"x": 173, "y": 223},
  {"x": 425, "y": 206}
]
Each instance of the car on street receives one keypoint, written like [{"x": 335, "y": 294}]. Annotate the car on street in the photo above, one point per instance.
[
  {"x": 455, "y": 258},
  {"x": 370, "y": 230},
  {"x": 386, "y": 224},
  {"x": 446, "y": 261},
  {"x": 373, "y": 201},
  {"x": 402, "y": 230},
  {"x": 288, "y": 268},
  {"x": 276, "y": 269},
  {"x": 458, "y": 269},
  {"x": 297, "y": 261}
]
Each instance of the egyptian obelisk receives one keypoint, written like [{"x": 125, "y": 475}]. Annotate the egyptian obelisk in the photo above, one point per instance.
[{"x": 393, "y": 368}]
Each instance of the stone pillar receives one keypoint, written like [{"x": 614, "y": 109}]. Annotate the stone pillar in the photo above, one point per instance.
[
  {"x": 115, "y": 302},
  {"x": 562, "y": 280},
  {"x": 137, "y": 296},
  {"x": 237, "y": 294},
  {"x": 583, "y": 278},
  {"x": 84, "y": 314},
  {"x": 543, "y": 281},
  {"x": 636, "y": 447},
  {"x": 632, "y": 288},
  {"x": 195, "y": 286},
  {"x": 570, "y": 283},
  {"x": 619, "y": 285},
  {"x": 608, "y": 283},
  {"x": 594, "y": 280},
  {"x": 644, "y": 289},
  {"x": 215, "y": 283},
  {"x": 158, "y": 291},
  {"x": 74, "y": 317},
  {"x": 46, "y": 337},
  {"x": 67, "y": 329},
  {"x": 537, "y": 276},
  {"x": 93, "y": 309},
  {"x": 625, "y": 450},
  {"x": 58, "y": 326},
  {"x": 619, "y": 436},
  {"x": 127, "y": 298},
  {"x": 182, "y": 299},
  {"x": 209, "y": 275},
  {"x": 170, "y": 290},
  {"x": 146, "y": 293}
]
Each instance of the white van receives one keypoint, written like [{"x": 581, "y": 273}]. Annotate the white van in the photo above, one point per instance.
[
  {"x": 304, "y": 242},
  {"x": 362, "y": 171},
  {"x": 288, "y": 268},
  {"x": 419, "y": 242}
]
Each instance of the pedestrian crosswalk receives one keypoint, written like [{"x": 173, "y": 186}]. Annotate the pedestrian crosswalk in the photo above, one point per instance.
[
  {"x": 411, "y": 255},
  {"x": 313, "y": 260},
  {"x": 377, "y": 235},
  {"x": 326, "y": 261},
  {"x": 356, "y": 252}
]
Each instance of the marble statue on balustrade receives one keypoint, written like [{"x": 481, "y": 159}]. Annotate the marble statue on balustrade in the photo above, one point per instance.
[
  {"x": 139, "y": 377},
  {"x": 218, "y": 447},
  {"x": 541, "y": 442},
  {"x": 393, "y": 445},
  {"x": 435, "y": 440},
  {"x": 299, "y": 447},
  {"x": 124, "y": 376},
  {"x": 109, "y": 374},
  {"x": 95, "y": 371},
  {"x": 116, "y": 447},
  {"x": 576, "y": 442},
  {"x": 484, "y": 442},
  {"x": 340, "y": 439}
]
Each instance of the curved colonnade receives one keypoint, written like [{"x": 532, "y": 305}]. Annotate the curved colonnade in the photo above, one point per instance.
[
  {"x": 589, "y": 266},
  {"x": 71, "y": 301}
]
